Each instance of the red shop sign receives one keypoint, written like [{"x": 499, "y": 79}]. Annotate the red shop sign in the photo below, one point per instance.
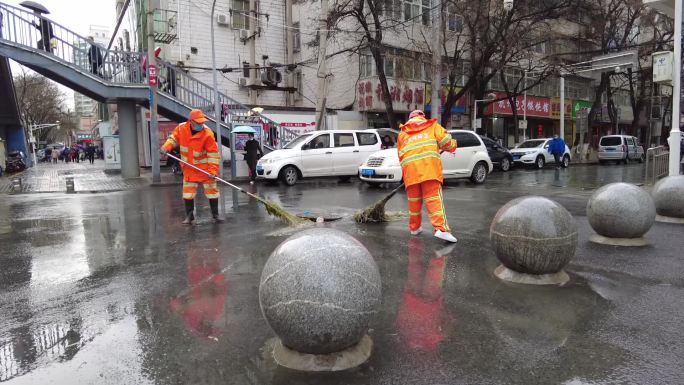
[{"x": 536, "y": 106}]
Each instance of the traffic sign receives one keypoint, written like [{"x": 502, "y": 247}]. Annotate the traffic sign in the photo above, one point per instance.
[{"x": 153, "y": 75}]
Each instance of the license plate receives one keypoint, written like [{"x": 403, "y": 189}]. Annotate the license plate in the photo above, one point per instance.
[
  {"x": 367, "y": 172},
  {"x": 609, "y": 149},
  {"x": 259, "y": 167}
]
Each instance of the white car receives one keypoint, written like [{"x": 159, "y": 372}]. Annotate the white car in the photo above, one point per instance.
[
  {"x": 535, "y": 152},
  {"x": 470, "y": 160},
  {"x": 320, "y": 153}
]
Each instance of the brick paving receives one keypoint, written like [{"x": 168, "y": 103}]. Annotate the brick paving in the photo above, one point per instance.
[{"x": 87, "y": 178}]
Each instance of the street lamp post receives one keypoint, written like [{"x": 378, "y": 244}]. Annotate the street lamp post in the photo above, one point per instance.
[
  {"x": 490, "y": 98},
  {"x": 675, "y": 132}
]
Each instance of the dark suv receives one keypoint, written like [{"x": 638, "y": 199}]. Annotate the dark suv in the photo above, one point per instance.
[{"x": 499, "y": 155}]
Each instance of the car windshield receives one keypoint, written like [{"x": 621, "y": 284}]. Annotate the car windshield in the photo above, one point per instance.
[
  {"x": 531, "y": 143},
  {"x": 297, "y": 141},
  {"x": 611, "y": 141}
]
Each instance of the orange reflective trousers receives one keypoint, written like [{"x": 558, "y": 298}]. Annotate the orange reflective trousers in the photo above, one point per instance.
[{"x": 429, "y": 191}]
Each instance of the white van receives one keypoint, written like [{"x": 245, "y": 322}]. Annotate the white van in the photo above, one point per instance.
[{"x": 320, "y": 153}]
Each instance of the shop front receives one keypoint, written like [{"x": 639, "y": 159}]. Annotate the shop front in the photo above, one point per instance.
[
  {"x": 459, "y": 117},
  {"x": 406, "y": 96},
  {"x": 501, "y": 125}
]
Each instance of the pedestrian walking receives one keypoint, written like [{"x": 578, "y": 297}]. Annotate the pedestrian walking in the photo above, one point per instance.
[
  {"x": 90, "y": 154},
  {"x": 557, "y": 149},
  {"x": 46, "y": 42},
  {"x": 48, "y": 155},
  {"x": 419, "y": 145},
  {"x": 198, "y": 147},
  {"x": 252, "y": 155},
  {"x": 65, "y": 154},
  {"x": 55, "y": 156},
  {"x": 94, "y": 57}
]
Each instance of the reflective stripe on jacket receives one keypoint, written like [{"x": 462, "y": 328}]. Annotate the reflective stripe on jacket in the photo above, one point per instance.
[
  {"x": 419, "y": 145},
  {"x": 199, "y": 149}
]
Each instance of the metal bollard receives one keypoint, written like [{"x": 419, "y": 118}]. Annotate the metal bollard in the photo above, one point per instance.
[
  {"x": 17, "y": 185},
  {"x": 70, "y": 185}
]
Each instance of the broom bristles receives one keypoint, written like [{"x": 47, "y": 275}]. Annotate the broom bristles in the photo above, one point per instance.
[
  {"x": 376, "y": 213},
  {"x": 280, "y": 213}
]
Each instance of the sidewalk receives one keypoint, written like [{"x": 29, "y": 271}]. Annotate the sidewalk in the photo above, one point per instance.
[{"x": 47, "y": 178}]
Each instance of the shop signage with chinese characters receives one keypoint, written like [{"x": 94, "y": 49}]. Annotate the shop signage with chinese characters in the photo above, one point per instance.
[
  {"x": 406, "y": 95},
  {"x": 536, "y": 106}
]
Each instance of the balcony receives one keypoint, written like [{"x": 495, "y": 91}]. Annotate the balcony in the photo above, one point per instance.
[{"x": 165, "y": 26}]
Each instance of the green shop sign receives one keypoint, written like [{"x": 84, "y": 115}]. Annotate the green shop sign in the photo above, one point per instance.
[{"x": 579, "y": 104}]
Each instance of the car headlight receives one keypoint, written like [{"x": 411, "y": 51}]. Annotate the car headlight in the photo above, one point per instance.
[{"x": 271, "y": 160}]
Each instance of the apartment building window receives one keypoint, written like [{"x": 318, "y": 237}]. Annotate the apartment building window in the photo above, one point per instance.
[
  {"x": 454, "y": 22},
  {"x": 417, "y": 9},
  {"x": 297, "y": 37},
  {"x": 240, "y": 14},
  {"x": 366, "y": 64},
  {"x": 390, "y": 8}
]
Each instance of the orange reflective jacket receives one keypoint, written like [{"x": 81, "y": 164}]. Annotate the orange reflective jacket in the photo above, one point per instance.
[
  {"x": 419, "y": 144},
  {"x": 199, "y": 149}
]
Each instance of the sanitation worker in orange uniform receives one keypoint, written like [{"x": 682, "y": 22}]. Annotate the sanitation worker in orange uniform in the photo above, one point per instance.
[
  {"x": 419, "y": 144},
  {"x": 199, "y": 148}
]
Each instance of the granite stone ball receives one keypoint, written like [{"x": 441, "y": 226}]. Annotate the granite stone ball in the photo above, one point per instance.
[
  {"x": 319, "y": 290},
  {"x": 533, "y": 235},
  {"x": 668, "y": 195},
  {"x": 621, "y": 210}
]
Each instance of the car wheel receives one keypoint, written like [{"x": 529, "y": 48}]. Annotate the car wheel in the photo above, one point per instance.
[
  {"x": 642, "y": 158},
  {"x": 566, "y": 161},
  {"x": 289, "y": 175},
  {"x": 505, "y": 164},
  {"x": 345, "y": 179},
  {"x": 540, "y": 162},
  {"x": 479, "y": 174}
]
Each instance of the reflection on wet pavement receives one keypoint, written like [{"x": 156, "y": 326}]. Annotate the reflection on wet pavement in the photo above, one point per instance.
[{"x": 111, "y": 288}]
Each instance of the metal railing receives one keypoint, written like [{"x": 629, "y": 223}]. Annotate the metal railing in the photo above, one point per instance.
[
  {"x": 29, "y": 29},
  {"x": 657, "y": 162}
]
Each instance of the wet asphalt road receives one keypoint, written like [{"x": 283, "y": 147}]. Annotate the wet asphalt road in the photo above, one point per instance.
[{"x": 110, "y": 288}]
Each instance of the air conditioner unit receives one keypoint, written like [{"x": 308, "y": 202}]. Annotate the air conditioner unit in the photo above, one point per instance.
[
  {"x": 244, "y": 34},
  {"x": 242, "y": 82},
  {"x": 222, "y": 19}
]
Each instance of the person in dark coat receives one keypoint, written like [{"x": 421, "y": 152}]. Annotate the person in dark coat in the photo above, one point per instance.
[
  {"x": 252, "y": 155},
  {"x": 46, "y": 34},
  {"x": 94, "y": 57},
  {"x": 90, "y": 154}
]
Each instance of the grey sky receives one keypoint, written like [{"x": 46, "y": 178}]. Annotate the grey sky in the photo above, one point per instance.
[{"x": 77, "y": 15}]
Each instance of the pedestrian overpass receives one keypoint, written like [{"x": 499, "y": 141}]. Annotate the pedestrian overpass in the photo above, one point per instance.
[{"x": 121, "y": 80}]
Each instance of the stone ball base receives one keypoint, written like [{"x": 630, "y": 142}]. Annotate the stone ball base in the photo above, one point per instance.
[
  {"x": 505, "y": 274},
  {"x": 624, "y": 242},
  {"x": 348, "y": 358},
  {"x": 664, "y": 219}
]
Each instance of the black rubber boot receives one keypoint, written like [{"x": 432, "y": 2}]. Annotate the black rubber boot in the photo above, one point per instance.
[
  {"x": 189, "y": 211},
  {"x": 213, "y": 203}
]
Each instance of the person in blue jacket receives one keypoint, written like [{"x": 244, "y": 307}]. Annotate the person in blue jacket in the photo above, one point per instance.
[{"x": 557, "y": 149}]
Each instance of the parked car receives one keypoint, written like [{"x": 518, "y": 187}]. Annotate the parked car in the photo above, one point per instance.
[
  {"x": 535, "y": 152},
  {"x": 499, "y": 154},
  {"x": 320, "y": 153},
  {"x": 620, "y": 148},
  {"x": 470, "y": 160}
]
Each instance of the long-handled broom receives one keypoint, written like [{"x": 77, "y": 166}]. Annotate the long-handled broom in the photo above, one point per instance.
[
  {"x": 376, "y": 213},
  {"x": 271, "y": 208}
]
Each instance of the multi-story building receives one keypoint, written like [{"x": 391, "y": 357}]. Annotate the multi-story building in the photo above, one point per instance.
[{"x": 247, "y": 41}]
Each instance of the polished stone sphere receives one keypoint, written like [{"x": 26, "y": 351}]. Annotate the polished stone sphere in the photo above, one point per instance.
[
  {"x": 319, "y": 290},
  {"x": 533, "y": 235},
  {"x": 621, "y": 210},
  {"x": 668, "y": 195}
]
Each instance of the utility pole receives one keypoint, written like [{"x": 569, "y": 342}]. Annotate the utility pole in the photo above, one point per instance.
[
  {"x": 322, "y": 67},
  {"x": 290, "y": 48},
  {"x": 252, "y": 19},
  {"x": 152, "y": 79},
  {"x": 436, "y": 61},
  {"x": 217, "y": 100},
  {"x": 675, "y": 133}
]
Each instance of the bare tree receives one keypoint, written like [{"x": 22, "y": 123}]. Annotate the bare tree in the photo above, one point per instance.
[
  {"x": 491, "y": 39},
  {"x": 40, "y": 102}
]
